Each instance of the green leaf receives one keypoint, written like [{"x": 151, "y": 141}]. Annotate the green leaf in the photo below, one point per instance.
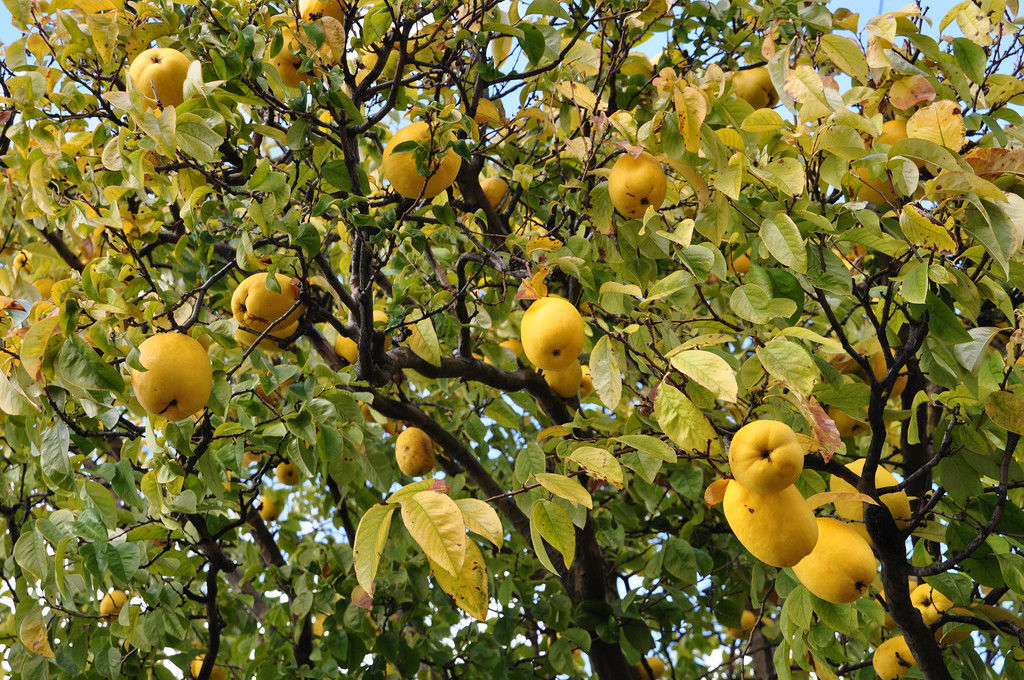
[
  {"x": 783, "y": 240},
  {"x": 971, "y": 57},
  {"x": 550, "y": 8},
  {"x": 606, "y": 373},
  {"x": 368, "y": 546},
  {"x": 30, "y": 554},
  {"x": 197, "y": 139},
  {"x": 435, "y": 522},
  {"x": 122, "y": 560},
  {"x": 532, "y": 42},
  {"x": 54, "y": 456},
  {"x": 565, "y": 487},
  {"x": 971, "y": 353},
  {"x": 790, "y": 364},
  {"x": 846, "y": 54},
  {"x": 708, "y": 370},
  {"x": 914, "y": 286},
  {"x": 552, "y": 523},
  {"x": 598, "y": 463},
  {"x": 652, "y": 446},
  {"x": 80, "y": 365},
  {"x": 684, "y": 423},
  {"x": 1006, "y": 410},
  {"x": 13, "y": 400},
  {"x": 754, "y": 304}
]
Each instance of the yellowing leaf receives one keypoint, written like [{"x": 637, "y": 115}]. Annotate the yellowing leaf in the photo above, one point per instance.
[
  {"x": 469, "y": 587},
  {"x": 598, "y": 463},
  {"x": 762, "y": 120},
  {"x": 923, "y": 232},
  {"x": 683, "y": 422},
  {"x": 33, "y": 634},
  {"x": 906, "y": 93},
  {"x": 549, "y": 521},
  {"x": 691, "y": 109},
  {"x": 1006, "y": 410},
  {"x": 423, "y": 342},
  {"x": 565, "y": 487},
  {"x": 940, "y": 123},
  {"x": 534, "y": 288},
  {"x": 482, "y": 519},
  {"x": 435, "y": 522},
  {"x": 847, "y": 55},
  {"x": 368, "y": 546},
  {"x": 553, "y": 431},
  {"x": 605, "y": 373},
  {"x": 708, "y": 370},
  {"x": 790, "y": 364}
]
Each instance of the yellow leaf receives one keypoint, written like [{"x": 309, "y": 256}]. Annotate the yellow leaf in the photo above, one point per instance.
[
  {"x": 543, "y": 243},
  {"x": 598, "y": 463},
  {"x": 469, "y": 587},
  {"x": 940, "y": 123},
  {"x": 708, "y": 370},
  {"x": 715, "y": 492},
  {"x": 480, "y": 518},
  {"x": 820, "y": 499},
  {"x": 691, "y": 109},
  {"x": 578, "y": 93},
  {"x": 553, "y": 431},
  {"x": 368, "y": 546},
  {"x": 33, "y": 634},
  {"x": 923, "y": 232},
  {"x": 92, "y": 6},
  {"x": 565, "y": 487},
  {"x": 435, "y": 522}
]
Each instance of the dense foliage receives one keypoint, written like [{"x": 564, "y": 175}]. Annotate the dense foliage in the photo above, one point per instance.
[{"x": 837, "y": 248}]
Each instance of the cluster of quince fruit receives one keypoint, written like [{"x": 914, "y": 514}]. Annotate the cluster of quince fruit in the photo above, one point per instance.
[{"x": 774, "y": 522}]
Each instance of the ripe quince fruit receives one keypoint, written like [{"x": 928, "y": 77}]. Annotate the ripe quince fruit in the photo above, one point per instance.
[
  {"x": 778, "y": 528},
  {"x": 755, "y": 86},
  {"x": 159, "y": 75},
  {"x": 841, "y": 567},
  {"x": 400, "y": 168},
  {"x": 178, "y": 376},
  {"x": 414, "y": 452},
  {"x": 766, "y": 456},
  {"x": 635, "y": 184},
  {"x": 552, "y": 333}
]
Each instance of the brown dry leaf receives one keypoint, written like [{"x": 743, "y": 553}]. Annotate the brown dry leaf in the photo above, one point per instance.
[
  {"x": 990, "y": 163},
  {"x": 820, "y": 499},
  {"x": 941, "y": 123},
  {"x": 715, "y": 492},
  {"x": 908, "y": 92},
  {"x": 826, "y": 435},
  {"x": 633, "y": 150},
  {"x": 361, "y": 598}
]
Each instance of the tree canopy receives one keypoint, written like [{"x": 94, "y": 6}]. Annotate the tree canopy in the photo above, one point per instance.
[{"x": 457, "y": 340}]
